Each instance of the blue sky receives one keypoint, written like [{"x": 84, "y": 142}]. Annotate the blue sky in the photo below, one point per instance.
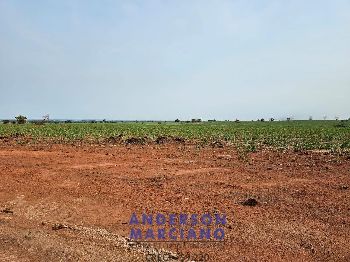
[{"x": 175, "y": 59}]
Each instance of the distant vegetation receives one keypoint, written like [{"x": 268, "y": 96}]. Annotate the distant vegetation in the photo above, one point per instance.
[
  {"x": 21, "y": 119},
  {"x": 294, "y": 135}
]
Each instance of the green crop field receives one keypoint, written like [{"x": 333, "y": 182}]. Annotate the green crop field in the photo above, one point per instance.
[{"x": 295, "y": 135}]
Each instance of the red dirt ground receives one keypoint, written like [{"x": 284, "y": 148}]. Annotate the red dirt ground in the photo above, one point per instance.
[{"x": 73, "y": 203}]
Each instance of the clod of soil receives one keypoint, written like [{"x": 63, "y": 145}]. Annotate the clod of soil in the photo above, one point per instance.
[
  {"x": 217, "y": 144},
  {"x": 250, "y": 202},
  {"x": 59, "y": 226},
  {"x": 179, "y": 140},
  {"x": 227, "y": 157},
  {"x": 7, "y": 211},
  {"x": 135, "y": 140},
  {"x": 169, "y": 139},
  {"x": 114, "y": 139},
  {"x": 161, "y": 140}
]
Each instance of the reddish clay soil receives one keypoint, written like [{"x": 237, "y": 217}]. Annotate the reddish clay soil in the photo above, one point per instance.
[{"x": 74, "y": 202}]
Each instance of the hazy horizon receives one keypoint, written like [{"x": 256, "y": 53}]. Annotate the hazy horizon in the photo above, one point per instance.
[{"x": 162, "y": 60}]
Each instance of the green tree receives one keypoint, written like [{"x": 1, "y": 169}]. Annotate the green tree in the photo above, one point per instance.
[{"x": 21, "y": 119}]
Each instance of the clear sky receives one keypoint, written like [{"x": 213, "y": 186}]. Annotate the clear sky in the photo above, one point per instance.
[{"x": 186, "y": 59}]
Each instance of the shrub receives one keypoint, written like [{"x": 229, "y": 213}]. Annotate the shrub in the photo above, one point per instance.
[
  {"x": 39, "y": 122},
  {"x": 21, "y": 119},
  {"x": 342, "y": 123}
]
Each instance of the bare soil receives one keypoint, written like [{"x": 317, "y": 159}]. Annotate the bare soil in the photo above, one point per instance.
[{"x": 74, "y": 202}]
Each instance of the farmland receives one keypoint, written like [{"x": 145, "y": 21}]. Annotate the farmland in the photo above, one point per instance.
[
  {"x": 68, "y": 190},
  {"x": 251, "y": 136}
]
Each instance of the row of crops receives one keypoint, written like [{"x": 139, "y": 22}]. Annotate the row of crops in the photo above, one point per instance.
[{"x": 297, "y": 135}]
